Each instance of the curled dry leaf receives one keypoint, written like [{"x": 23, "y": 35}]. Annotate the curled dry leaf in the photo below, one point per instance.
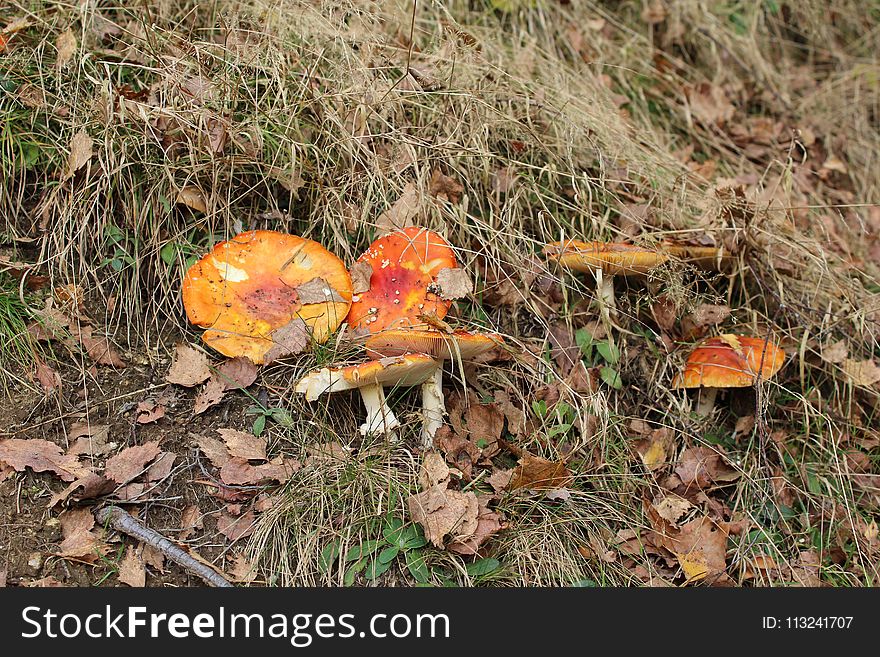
[
  {"x": 131, "y": 462},
  {"x": 453, "y": 283},
  {"x": 701, "y": 467},
  {"x": 190, "y": 367},
  {"x": 433, "y": 472},
  {"x": 40, "y": 456},
  {"x": 47, "y": 377},
  {"x": 244, "y": 445},
  {"x": 99, "y": 349},
  {"x": 537, "y": 473},
  {"x": 360, "y": 273},
  {"x": 93, "y": 485},
  {"x": 400, "y": 214},
  {"x": 443, "y": 512},
  {"x": 80, "y": 153},
  {"x": 445, "y": 188},
  {"x": 488, "y": 524},
  {"x": 79, "y": 541}
]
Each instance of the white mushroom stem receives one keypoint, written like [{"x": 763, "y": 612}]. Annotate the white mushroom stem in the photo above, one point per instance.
[
  {"x": 380, "y": 418},
  {"x": 605, "y": 295},
  {"x": 433, "y": 407},
  {"x": 707, "y": 401}
]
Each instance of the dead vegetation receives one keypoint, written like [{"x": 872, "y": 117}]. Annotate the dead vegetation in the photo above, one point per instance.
[{"x": 133, "y": 140}]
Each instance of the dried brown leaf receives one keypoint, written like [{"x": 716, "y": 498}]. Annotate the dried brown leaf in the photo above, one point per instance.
[
  {"x": 443, "y": 512},
  {"x": 244, "y": 445},
  {"x": 445, "y": 188},
  {"x": 235, "y": 528},
  {"x": 210, "y": 395},
  {"x": 190, "y": 367},
  {"x": 66, "y": 45},
  {"x": 131, "y": 462},
  {"x": 360, "y": 273},
  {"x": 40, "y": 456},
  {"x": 80, "y": 153},
  {"x": 288, "y": 340},
  {"x": 318, "y": 290},
  {"x": 238, "y": 372},
  {"x": 538, "y": 473},
  {"x": 131, "y": 569},
  {"x": 433, "y": 472},
  {"x": 400, "y": 214},
  {"x": 453, "y": 283},
  {"x": 214, "y": 449}
]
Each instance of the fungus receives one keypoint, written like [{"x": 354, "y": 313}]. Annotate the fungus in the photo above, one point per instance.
[
  {"x": 439, "y": 345},
  {"x": 263, "y": 294},
  {"x": 370, "y": 378},
  {"x": 728, "y": 361}
]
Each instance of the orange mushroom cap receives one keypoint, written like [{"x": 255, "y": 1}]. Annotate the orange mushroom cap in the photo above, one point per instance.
[
  {"x": 405, "y": 370},
  {"x": 613, "y": 258},
  {"x": 404, "y": 265},
  {"x": 258, "y": 282},
  {"x": 730, "y": 361},
  {"x": 436, "y": 344}
]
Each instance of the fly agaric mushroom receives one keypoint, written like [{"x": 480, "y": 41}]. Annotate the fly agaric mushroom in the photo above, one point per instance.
[
  {"x": 459, "y": 345},
  {"x": 406, "y": 271},
  {"x": 369, "y": 378},
  {"x": 605, "y": 260},
  {"x": 728, "y": 361},
  {"x": 264, "y": 294}
]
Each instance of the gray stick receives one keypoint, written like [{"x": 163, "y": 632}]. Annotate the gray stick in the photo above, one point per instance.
[{"x": 125, "y": 523}]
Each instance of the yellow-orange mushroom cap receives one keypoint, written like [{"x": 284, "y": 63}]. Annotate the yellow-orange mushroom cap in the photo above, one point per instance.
[
  {"x": 444, "y": 346},
  {"x": 613, "y": 258},
  {"x": 405, "y": 265},
  {"x": 730, "y": 361},
  {"x": 250, "y": 286}
]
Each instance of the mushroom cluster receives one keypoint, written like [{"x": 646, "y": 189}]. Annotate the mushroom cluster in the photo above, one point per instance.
[{"x": 403, "y": 295}]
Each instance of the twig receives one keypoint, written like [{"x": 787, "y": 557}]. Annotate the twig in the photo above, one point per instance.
[{"x": 125, "y": 523}]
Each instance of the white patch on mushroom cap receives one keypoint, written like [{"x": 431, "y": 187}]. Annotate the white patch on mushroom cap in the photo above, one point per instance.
[{"x": 230, "y": 273}]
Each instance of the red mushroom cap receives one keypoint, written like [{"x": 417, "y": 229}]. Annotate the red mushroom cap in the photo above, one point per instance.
[{"x": 405, "y": 265}]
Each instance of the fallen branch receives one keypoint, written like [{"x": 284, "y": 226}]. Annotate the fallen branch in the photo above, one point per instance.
[{"x": 125, "y": 523}]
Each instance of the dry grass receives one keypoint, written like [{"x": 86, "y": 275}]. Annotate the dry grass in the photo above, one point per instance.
[{"x": 315, "y": 118}]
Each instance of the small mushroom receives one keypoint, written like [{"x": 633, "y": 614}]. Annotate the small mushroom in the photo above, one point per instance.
[
  {"x": 251, "y": 288},
  {"x": 608, "y": 259},
  {"x": 605, "y": 260},
  {"x": 728, "y": 361},
  {"x": 403, "y": 283},
  {"x": 370, "y": 378},
  {"x": 439, "y": 345}
]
